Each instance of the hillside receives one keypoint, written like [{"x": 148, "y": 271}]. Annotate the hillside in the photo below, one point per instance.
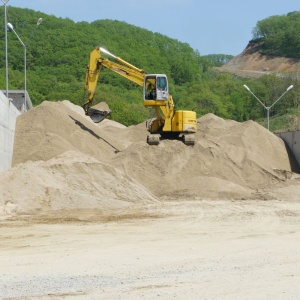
[
  {"x": 251, "y": 63},
  {"x": 58, "y": 53}
]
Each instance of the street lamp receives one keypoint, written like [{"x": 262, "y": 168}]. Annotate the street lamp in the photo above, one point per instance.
[
  {"x": 10, "y": 26},
  {"x": 268, "y": 107},
  {"x": 6, "y": 60}
]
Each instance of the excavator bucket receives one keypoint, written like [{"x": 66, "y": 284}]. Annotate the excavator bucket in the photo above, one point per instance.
[{"x": 97, "y": 115}]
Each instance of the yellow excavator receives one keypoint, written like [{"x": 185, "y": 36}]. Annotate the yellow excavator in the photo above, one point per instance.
[{"x": 168, "y": 124}]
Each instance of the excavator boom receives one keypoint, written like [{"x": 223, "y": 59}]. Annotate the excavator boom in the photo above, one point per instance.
[{"x": 122, "y": 68}]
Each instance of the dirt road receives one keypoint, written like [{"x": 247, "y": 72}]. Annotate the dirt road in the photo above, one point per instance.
[{"x": 171, "y": 250}]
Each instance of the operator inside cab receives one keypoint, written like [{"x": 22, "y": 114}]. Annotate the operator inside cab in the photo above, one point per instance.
[
  {"x": 151, "y": 91},
  {"x": 156, "y": 87}
]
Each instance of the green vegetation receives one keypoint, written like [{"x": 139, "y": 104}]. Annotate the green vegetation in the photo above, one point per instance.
[
  {"x": 285, "y": 120},
  {"x": 280, "y": 35},
  {"x": 58, "y": 52}
]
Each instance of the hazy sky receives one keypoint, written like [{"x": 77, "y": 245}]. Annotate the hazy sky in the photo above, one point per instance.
[{"x": 211, "y": 26}]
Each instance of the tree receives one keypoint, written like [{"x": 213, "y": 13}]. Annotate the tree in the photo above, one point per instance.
[{"x": 280, "y": 35}]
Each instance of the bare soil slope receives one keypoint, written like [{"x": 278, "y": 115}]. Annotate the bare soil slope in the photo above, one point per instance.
[{"x": 251, "y": 63}]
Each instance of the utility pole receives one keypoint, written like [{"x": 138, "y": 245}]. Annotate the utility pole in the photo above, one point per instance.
[
  {"x": 6, "y": 57},
  {"x": 268, "y": 107}
]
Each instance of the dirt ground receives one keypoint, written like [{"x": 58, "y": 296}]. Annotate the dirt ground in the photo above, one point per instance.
[
  {"x": 90, "y": 211},
  {"x": 174, "y": 250}
]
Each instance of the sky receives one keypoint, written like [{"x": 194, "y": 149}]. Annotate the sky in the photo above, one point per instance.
[{"x": 209, "y": 26}]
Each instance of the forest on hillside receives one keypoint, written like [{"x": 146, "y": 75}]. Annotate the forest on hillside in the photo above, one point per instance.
[
  {"x": 279, "y": 35},
  {"x": 58, "y": 52}
]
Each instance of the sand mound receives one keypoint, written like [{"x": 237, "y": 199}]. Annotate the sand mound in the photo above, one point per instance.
[
  {"x": 229, "y": 160},
  {"x": 252, "y": 153},
  {"x": 62, "y": 160},
  {"x": 53, "y": 128},
  {"x": 73, "y": 180}
]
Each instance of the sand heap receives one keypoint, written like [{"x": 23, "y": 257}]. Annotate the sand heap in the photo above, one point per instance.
[
  {"x": 53, "y": 128},
  {"x": 72, "y": 180},
  {"x": 62, "y": 160},
  {"x": 229, "y": 160}
]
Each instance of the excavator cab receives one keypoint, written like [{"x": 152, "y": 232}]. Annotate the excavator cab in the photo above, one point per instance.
[{"x": 155, "y": 89}]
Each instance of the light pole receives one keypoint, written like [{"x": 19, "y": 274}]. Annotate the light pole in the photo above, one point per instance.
[
  {"x": 6, "y": 59},
  {"x": 10, "y": 26},
  {"x": 268, "y": 107}
]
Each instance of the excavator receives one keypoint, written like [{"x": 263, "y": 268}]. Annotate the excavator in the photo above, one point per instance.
[{"x": 168, "y": 123}]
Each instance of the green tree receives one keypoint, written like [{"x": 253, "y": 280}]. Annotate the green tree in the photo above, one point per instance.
[{"x": 279, "y": 35}]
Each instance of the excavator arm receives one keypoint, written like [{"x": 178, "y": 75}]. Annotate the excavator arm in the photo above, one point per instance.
[{"x": 122, "y": 68}]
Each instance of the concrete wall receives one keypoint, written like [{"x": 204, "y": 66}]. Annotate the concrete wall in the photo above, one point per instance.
[
  {"x": 292, "y": 139},
  {"x": 17, "y": 97},
  {"x": 8, "y": 116}
]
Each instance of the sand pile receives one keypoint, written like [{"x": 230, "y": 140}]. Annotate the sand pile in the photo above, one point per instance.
[
  {"x": 62, "y": 160},
  {"x": 229, "y": 160},
  {"x": 72, "y": 180},
  {"x": 53, "y": 128}
]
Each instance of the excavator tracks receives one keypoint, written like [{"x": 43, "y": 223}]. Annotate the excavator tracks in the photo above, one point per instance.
[{"x": 189, "y": 139}]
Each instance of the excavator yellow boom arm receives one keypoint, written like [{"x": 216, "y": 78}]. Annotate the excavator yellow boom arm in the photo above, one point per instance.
[{"x": 122, "y": 68}]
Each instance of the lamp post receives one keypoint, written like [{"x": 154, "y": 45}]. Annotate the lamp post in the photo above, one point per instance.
[
  {"x": 6, "y": 59},
  {"x": 10, "y": 26},
  {"x": 268, "y": 107}
]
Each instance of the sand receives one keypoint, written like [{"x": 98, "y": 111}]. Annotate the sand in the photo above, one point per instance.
[
  {"x": 229, "y": 160},
  {"x": 91, "y": 210}
]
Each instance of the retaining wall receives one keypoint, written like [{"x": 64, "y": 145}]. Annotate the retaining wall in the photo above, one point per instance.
[
  {"x": 8, "y": 116},
  {"x": 292, "y": 139}
]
